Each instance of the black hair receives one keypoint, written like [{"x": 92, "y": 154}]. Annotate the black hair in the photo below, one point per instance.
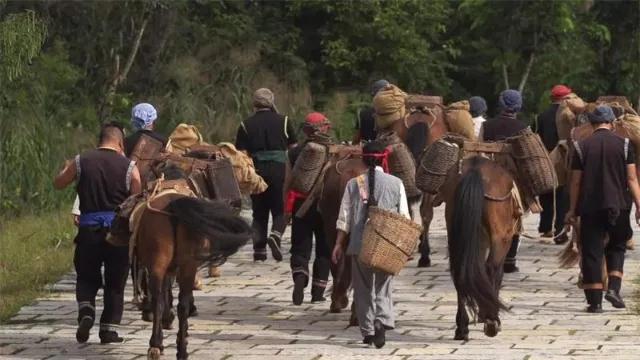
[
  {"x": 369, "y": 151},
  {"x": 111, "y": 130}
]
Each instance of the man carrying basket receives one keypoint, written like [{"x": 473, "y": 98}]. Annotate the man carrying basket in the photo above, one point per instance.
[{"x": 372, "y": 287}]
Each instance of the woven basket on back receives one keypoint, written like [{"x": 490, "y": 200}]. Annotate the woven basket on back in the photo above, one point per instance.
[
  {"x": 401, "y": 163},
  {"x": 308, "y": 167},
  {"x": 435, "y": 164},
  {"x": 388, "y": 240},
  {"x": 535, "y": 168}
]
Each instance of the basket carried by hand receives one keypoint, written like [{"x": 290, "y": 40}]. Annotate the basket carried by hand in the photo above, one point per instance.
[
  {"x": 388, "y": 240},
  {"x": 535, "y": 168},
  {"x": 435, "y": 164}
]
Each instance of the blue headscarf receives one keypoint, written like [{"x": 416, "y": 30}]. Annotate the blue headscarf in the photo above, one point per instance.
[
  {"x": 143, "y": 116},
  {"x": 602, "y": 114},
  {"x": 478, "y": 106},
  {"x": 378, "y": 85},
  {"x": 510, "y": 100}
]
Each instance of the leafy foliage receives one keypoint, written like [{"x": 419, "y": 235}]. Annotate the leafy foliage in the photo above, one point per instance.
[{"x": 199, "y": 60}]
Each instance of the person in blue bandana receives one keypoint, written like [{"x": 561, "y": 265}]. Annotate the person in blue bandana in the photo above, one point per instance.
[
  {"x": 104, "y": 178},
  {"x": 143, "y": 119}
]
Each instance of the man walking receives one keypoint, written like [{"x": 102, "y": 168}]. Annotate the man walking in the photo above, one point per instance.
[
  {"x": 366, "y": 121},
  {"x": 603, "y": 185},
  {"x": 266, "y": 136},
  {"x": 305, "y": 228},
  {"x": 104, "y": 179},
  {"x": 506, "y": 125},
  {"x": 548, "y": 131}
]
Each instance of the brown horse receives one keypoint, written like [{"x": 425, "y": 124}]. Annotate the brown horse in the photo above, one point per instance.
[
  {"x": 176, "y": 233},
  {"x": 482, "y": 215},
  {"x": 339, "y": 173}
]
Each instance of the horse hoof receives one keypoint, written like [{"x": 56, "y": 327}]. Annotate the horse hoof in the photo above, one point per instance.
[
  {"x": 154, "y": 353},
  {"x": 461, "y": 337},
  {"x": 491, "y": 328},
  {"x": 424, "y": 262},
  {"x": 147, "y": 316}
]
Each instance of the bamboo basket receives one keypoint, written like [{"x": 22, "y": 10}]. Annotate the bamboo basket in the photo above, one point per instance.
[
  {"x": 435, "y": 164},
  {"x": 534, "y": 165},
  {"x": 388, "y": 240},
  {"x": 308, "y": 167}
]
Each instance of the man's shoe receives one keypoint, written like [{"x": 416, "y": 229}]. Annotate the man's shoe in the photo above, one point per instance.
[
  {"x": 298, "y": 290},
  {"x": 274, "y": 244},
  {"x": 318, "y": 299},
  {"x": 615, "y": 299},
  {"x": 84, "y": 327},
  {"x": 424, "y": 261},
  {"x": 368, "y": 340},
  {"x": 379, "y": 338},
  {"x": 510, "y": 268},
  {"x": 594, "y": 308},
  {"x": 214, "y": 271},
  {"x": 259, "y": 257},
  {"x": 110, "y": 337}
]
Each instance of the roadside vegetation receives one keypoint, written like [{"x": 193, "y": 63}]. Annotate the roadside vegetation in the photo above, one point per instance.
[{"x": 34, "y": 251}]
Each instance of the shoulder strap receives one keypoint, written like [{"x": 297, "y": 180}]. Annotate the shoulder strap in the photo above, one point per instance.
[
  {"x": 78, "y": 169},
  {"x": 244, "y": 127},
  {"x": 286, "y": 121},
  {"x": 626, "y": 149},
  {"x": 578, "y": 151}
]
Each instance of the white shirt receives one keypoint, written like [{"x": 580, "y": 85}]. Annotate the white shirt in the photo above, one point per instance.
[{"x": 477, "y": 124}]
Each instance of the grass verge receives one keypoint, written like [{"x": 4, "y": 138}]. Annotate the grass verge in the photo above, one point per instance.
[{"x": 34, "y": 251}]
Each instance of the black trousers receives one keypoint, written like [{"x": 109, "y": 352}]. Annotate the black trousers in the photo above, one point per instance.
[
  {"x": 303, "y": 231},
  {"x": 593, "y": 230},
  {"x": 561, "y": 208},
  {"x": 269, "y": 202},
  {"x": 513, "y": 251},
  {"x": 91, "y": 253}
]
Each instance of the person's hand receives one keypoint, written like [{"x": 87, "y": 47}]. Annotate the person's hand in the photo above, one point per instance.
[
  {"x": 570, "y": 218},
  {"x": 76, "y": 220},
  {"x": 337, "y": 254}
]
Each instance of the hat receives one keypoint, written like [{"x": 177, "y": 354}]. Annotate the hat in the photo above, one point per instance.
[
  {"x": 478, "y": 106},
  {"x": 143, "y": 116},
  {"x": 378, "y": 85},
  {"x": 315, "y": 118},
  {"x": 602, "y": 114},
  {"x": 264, "y": 98},
  {"x": 510, "y": 100},
  {"x": 560, "y": 91}
]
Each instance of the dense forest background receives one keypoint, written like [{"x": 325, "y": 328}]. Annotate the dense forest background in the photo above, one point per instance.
[{"x": 65, "y": 66}]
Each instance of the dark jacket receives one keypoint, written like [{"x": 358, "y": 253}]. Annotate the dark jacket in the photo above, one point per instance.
[
  {"x": 366, "y": 124},
  {"x": 502, "y": 127},
  {"x": 546, "y": 127},
  {"x": 103, "y": 180},
  {"x": 265, "y": 131},
  {"x": 603, "y": 158}
]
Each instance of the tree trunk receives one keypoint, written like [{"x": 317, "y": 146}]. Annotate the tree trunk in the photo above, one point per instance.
[
  {"x": 505, "y": 76},
  {"x": 527, "y": 71},
  {"x": 120, "y": 76}
]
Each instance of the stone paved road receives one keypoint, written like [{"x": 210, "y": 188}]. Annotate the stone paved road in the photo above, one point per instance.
[{"x": 247, "y": 314}]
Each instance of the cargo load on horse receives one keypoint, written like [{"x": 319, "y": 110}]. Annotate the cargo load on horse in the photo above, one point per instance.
[
  {"x": 459, "y": 119},
  {"x": 308, "y": 167},
  {"x": 144, "y": 152},
  {"x": 535, "y": 170},
  {"x": 435, "y": 164}
]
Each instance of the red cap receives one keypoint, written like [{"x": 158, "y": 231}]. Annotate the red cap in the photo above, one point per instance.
[
  {"x": 560, "y": 91},
  {"x": 315, "y": 118}
]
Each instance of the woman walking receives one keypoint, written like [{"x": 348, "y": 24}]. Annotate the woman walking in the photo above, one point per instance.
[{"x": 372, "y": 288}]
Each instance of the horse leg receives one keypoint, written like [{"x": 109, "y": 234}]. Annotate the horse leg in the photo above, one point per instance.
[
  {"x": 185, "y": 299},
  {"x": 168, "y": 314},
  {"x": 147, "y": 307},
  {"x": 426, "y": 211},
  {"x": 462, "y": 321},
  {"x": 491, "y": 317},
  {"x": 157, "y": 302}
]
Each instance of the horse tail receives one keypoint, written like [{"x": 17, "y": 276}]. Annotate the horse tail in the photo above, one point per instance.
[
  {"x": 215, "y": 221},
  {"x": 466, "y": 257}
]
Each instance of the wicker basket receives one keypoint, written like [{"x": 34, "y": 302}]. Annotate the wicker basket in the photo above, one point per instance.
[
  {"x": 308, "y": 167},
  {"x": 401, "y": 163},
  {"x": 435, "y": 164},
  {"x": 388, "y": 240},
  {"x": 534, "y": 165}
]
